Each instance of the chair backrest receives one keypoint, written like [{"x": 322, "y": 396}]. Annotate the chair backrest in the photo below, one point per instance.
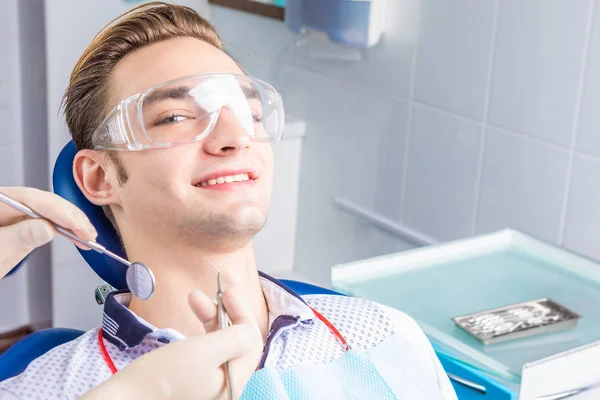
[
  {"x": 17, "y": 357},
  {"x": 109, "y": 270}
]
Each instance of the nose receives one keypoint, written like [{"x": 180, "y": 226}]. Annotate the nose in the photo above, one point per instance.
[{"x": 227, "y": 137}]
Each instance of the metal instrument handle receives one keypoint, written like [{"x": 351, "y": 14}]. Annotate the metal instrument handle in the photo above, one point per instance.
[
  {"x": 61, "y": 230},
  {"x": 569, "y": 393},
  {"x": 467, "y": 383}
]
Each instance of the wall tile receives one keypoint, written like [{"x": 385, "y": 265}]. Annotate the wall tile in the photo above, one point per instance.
[
  {"x": 453, "y": 55},
  {"x": 387, "y": 66},
  {"x": 588, "y": 139},
  {"x": 79, "y": 281},
  {"x": 311, "y": 96},
  {"x": 255, "y": 65},
  {"x": 8, "y": 76},
  {"x": 522, "y": 186},
  {"x": 442, "y": 172},
  {"x": 63, "y": 251},
  {"x": 539, "y": 50},
  {"x": 14, "y": 313},
  {"x": 6, "y": 114},
  {"x": 8, "y": 167},
  {"x": 370, "y": 241},
  {"x": 252, "y": 32},
  {"x": 376, "y": 127},
  {"x": 321, "y": 101},
  {"x": 582, "y": 230}
]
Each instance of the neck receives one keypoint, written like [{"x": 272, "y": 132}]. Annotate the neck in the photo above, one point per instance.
[{"x": 179, "y": 271}]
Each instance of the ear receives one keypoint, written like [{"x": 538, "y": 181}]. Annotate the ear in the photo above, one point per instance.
[{"x": 95, "y": 177}]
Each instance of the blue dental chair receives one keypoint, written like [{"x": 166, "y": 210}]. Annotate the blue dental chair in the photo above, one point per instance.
[{"x": 14, "y": 360}]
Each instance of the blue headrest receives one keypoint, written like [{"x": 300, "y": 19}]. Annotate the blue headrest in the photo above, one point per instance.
[{"x": 64, "y": 184}]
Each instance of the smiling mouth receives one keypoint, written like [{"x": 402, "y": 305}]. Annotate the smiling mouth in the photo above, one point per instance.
[{"x": 225, "y": 179}]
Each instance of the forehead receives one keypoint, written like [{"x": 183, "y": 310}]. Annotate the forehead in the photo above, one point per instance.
[{"x": 163, "y": 61}]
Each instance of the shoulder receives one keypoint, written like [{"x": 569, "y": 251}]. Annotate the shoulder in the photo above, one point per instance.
[
  {"x": 364, "y": 322},
  {"x": 366, "y": 325},
  {"x": 67, "y": 371}
]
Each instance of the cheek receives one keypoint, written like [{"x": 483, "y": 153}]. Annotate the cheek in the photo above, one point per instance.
[
  {"x": 153, "y": 175},
  {"x": 268, "y": 161}
]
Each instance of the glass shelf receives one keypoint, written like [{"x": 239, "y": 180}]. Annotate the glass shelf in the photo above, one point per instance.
[{"x": 436, "y": 283}]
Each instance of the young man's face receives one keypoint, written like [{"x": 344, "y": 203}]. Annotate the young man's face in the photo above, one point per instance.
[{"x": 163, "y": 194}]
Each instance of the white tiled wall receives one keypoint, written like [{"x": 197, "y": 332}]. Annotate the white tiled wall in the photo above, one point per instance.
[
  {"x": 583, "y": 213},
  {"x": 537, "y": 76},
  {"x": 588, "y": 133},
  {"x": 453, "y": 55},
  {"x": 445, "y": 150},
  {"x": 469, "y": 117},
  {"x": 523, "y": 185}
]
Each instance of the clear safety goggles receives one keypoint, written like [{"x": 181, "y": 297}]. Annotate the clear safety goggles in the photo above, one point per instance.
[{"x": 186, "y": 110}]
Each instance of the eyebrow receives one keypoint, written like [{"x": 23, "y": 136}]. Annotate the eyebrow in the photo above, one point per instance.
[
  {"x": 177, "y": 93},
  {"x": 250, "y": 93},
  {"x": 183, "y": 92}
]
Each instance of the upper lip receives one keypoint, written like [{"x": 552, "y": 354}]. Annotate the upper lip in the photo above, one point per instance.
[{"x": 251, "y": 172}]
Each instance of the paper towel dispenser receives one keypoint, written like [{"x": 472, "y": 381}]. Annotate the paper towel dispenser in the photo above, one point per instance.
[{"x": 354, "y": 23}]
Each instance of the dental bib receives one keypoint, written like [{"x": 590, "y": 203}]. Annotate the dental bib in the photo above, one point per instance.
[{"x": 373, "y": 374}]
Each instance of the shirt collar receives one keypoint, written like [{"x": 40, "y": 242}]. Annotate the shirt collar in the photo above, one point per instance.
[{"x": 125, "y": 329}]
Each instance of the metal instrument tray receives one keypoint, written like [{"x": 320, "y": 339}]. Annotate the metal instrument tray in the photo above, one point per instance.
[{"x": 518, "y": 321}]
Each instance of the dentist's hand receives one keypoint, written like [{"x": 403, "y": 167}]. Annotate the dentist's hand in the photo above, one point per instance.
[
  {"x": 192, "y": 368},
  {"x": 19, "y": 235}
]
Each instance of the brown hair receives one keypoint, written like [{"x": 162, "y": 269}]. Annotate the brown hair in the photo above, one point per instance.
[{"x": 87, "y": 97}]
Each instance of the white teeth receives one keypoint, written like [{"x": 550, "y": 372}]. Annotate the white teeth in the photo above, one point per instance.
[{"x": 226, "y": 179}]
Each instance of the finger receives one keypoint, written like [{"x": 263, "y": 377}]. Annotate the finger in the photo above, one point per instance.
[
  {"x": 50, "y": 206},
  {"x": 203, "y": 307},
  {"x": 231, "y": 343},
  {"x": 241, "y": 346},
  {"x": 20, "y": 239},
  {"x": 205, "y": 310},
  {"x": 239, "y": 312},
  {"x": 242, "y": 349},
  {"x": 81, "y": 246},
  {"x": 178, "y": 369}
]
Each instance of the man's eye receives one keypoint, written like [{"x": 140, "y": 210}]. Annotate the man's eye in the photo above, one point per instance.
[{"x": 171, "y": 119}]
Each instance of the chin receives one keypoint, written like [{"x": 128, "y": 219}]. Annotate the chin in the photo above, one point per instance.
[
  {"x": 241, "y": 223},
  {"x": 251, "y": 220}
]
